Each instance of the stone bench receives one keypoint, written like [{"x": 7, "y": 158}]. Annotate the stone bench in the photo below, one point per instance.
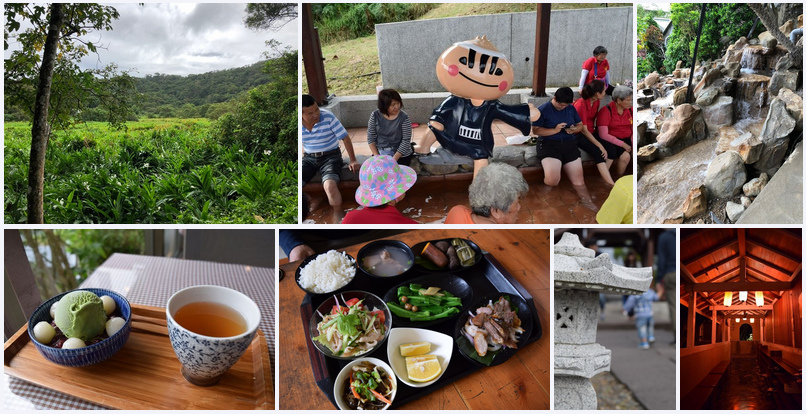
[{"x": 519, "y": 156}]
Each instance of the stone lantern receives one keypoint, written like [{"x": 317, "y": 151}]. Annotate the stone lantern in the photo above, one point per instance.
[{"x": 579, "y": 279}]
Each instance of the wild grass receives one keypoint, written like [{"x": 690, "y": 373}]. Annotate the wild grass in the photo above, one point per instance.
[{"x": 155, "y": 171}]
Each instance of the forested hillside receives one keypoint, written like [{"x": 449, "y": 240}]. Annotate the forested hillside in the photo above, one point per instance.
[
  {"x": 167, "y": 96},
  {"x": 202, "y": 95}
]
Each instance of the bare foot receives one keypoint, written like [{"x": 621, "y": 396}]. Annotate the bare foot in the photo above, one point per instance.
[
  {"x": 337, "y": 214},
  {"x": 585, "y": 198}
]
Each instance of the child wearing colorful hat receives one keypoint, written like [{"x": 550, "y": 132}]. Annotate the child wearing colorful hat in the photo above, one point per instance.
[{"x": 383, "y": 184}]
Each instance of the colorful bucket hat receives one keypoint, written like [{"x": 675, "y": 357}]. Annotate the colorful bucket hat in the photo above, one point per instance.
[{"x": 383, "y": 180}]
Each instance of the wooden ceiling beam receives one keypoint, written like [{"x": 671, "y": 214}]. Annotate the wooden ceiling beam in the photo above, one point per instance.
[
  {"x": 714, "y": 266},
  {"x": 762, "y": 245},
  {"x": 773, "y": 266},
  {"x": 710, "y": 251},
  {"x": 738, "y": 286},
  {"x": 721, "y": 277},
  {"x": 795, "y": 273},
  {"x": 743, "y": 264},
  {"x": 687, "y": 274},
  {"x": 759, "y": 275},
  {"x": 741, "y": 240},
  {"x": 740, "y": 307}
]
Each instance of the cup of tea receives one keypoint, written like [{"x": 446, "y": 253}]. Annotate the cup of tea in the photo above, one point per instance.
[{"x": 210, "y": 327}]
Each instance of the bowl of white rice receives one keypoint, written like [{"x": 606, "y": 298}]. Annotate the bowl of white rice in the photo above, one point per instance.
[{"x": 326, "y": 272}]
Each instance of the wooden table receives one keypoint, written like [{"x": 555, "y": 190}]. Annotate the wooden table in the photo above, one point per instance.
[{"x": 521, "y": 383}]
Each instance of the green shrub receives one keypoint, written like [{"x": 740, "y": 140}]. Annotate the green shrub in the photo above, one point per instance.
[{"x": 345, "y": 21}]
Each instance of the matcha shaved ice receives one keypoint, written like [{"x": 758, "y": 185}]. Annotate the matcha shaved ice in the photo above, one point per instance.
[{"x": 80, "y": 314}]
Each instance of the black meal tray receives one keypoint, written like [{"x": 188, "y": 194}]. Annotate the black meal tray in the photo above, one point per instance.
[{"x": 485, "y": 277}]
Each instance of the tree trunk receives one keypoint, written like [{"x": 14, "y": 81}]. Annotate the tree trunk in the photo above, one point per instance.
[
  {"x": 44, "y": 280},
  {"x": 63, "y": 273},
  {"x": 40, "y": 129},
  {"x": 769, "y": 20}
]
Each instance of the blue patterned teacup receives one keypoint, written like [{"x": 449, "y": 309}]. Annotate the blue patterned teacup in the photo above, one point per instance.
[{"x": 205, "y": 359}]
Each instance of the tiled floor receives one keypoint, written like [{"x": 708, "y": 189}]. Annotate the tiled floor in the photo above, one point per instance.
[{"x": 431, "y": 198}]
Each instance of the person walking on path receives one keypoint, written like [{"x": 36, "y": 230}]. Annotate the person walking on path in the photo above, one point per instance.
[
  {"x": 666, "y": 278},
  {"x": 642, "y": 306}
]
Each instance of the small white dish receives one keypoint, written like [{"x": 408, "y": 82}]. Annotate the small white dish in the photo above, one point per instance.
[
  {"x": 345, "y": 373},
  {"x": 442, "y": 346}
]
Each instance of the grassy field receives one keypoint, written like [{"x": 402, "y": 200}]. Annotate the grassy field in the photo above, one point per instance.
[
  {"x": 155, "y": 171},
  {"x": 351, "y": 66}
]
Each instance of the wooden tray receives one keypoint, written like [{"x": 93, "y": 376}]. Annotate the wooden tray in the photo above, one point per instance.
[
  {"x": 485, "y": 277},
  {"x": 145, "y": 373}
]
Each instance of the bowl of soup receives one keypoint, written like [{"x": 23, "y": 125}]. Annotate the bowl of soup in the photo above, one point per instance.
[{"x": 385, "y": 259}]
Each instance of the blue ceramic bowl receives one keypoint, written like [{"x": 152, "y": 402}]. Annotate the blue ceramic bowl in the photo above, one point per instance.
[{"x": 88, "y": 355}]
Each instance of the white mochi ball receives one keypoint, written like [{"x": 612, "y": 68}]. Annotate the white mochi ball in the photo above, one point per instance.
[
  {"x": 44, "y": 332},
  {"x": 109, "y": 304},
  {"x": 53, "y": 310},
  {"x": 73, "y": 343},
  {"x": 113, "y": 325}
]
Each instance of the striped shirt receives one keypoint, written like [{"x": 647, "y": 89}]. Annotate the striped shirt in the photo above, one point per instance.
[
  {"x": 395, "y": 134},
  {"x": 325, "y": 135}
]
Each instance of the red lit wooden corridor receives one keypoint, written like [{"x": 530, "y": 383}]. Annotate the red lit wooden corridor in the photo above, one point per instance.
[{"x": 741, "y": 319}]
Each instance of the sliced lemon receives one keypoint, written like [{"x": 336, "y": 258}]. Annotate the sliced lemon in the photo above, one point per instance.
[
  {"x": 415, "y": 348},
  {"x": 423, "y": 368}
]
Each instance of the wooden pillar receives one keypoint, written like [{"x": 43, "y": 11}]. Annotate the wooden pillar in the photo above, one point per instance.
[
  {"x": 312, "y": 58},
  {"x": 792, "y": 318},
  {"x": 541, "y": 49},
  {"x": 762, "y": 329},
  {"x": 714, "y": 326},
  {"x": 691, "y": 317}
]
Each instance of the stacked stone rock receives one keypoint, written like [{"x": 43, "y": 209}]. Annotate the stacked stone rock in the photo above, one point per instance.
[{"x": 746, "y": 101}]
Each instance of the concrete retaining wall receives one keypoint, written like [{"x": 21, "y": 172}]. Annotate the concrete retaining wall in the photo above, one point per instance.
[{"x": 408, "y": 51}]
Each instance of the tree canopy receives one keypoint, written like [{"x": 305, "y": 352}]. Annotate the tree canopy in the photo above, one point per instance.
[
  {"x": 722, "y": 24},
  {"x": 269, "y": 16},
  {"x": 72, "y": 89}
]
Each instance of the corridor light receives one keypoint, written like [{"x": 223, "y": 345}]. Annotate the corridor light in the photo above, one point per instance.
[
  {"x": 745, "y": 319},
  {"x": 760, "y": 298},
  {"x": 752, "y": 320},
  {"x": 737, "y": 320},
  {"x": 743, "y": 296},
  {"x": 727, "y": 299}
]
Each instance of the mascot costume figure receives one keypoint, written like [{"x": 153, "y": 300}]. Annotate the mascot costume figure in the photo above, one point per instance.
[{"x": 477, "y": 75}]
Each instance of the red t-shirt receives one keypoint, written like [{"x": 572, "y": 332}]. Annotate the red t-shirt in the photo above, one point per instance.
[
  {"x": 377, "y": 215},
  {"x": 620, "y": 126},
  {"x": 587, "y": 109},
  {"x": 459, "y": 215},
  {"x": 602, "y": 67}
]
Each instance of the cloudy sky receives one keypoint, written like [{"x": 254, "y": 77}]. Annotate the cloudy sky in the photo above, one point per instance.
[{"x": 182, "y": 39}]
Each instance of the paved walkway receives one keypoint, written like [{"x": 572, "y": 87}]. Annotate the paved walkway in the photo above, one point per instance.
[
  {"x": 782, "y": 200},
  {"x": 649, "y": 374}
]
